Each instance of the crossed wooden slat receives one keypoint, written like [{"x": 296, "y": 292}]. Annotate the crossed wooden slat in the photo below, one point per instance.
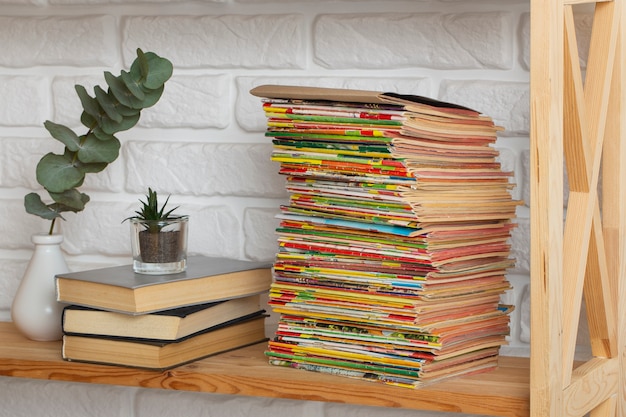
[{"x": 581, "y": 253}]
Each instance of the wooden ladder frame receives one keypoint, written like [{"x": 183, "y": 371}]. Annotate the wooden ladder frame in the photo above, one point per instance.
[{"x": 580, "y": 125}]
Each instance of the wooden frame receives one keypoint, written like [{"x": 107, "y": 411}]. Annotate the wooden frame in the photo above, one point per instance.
[{"x": 582, "y": 254}]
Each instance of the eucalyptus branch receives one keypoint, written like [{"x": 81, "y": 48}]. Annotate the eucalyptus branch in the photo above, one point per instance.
[{"x": 104, "y": 114}]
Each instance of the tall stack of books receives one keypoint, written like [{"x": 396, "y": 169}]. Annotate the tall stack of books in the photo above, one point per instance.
[
  {"x": 115, "y": 316},
  {"x": 393, "y": 248}
]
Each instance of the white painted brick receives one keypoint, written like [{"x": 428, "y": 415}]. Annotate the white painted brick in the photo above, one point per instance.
[
  {"x": 525, "y": 168},
  {"x": 58, "y": 40},
  {"x": 214, "y": 230},
  {"x": 514, "y": 296},
  {"x": 230, "y": 41},
  {"x": 583, "y": 347},
  {"x": 67, "y": 107},
  {"x": 259, "y": 228},
  {"x": 508, "y": 163},
  {"x": 203, "y": 169},
  {"x": 507, "y": 103},
  {"x": 110, "y": 180},
  {"x": 98, "y": 229},
  {"x": 583, "y": 23},
  {"x": 190, "y": 101},
  {"x": 25, "y": 98},
  {"x": 524, "y": 41},
  {"x": 520, "y": 245},
  {"x": 250, "y": 115},
  {"x": 524, "y": 308},
  {"x": 23, "y": 397},
  {"x": 19, "y": 158},
  {"x": 441, "y": 41},
  {"x": 16, "y": 233}
]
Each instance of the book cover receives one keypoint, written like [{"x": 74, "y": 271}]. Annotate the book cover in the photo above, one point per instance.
[
  {"x": 171, "y": 324},
  {"x": 162, "y": 355},
  {"x": 206, "y": 279}
]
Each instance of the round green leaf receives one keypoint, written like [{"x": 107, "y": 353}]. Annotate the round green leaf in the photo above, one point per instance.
[
  {"x": 91, "y": 168},
  {"x": 101, "y": 135},
  {"x": 58, "y": 173},
  {"x": 159, "y": 71},
  {"x": 152, "y": 97},
  {"x": 111, "y": 127},
  {"x": 94, "y": 150}
]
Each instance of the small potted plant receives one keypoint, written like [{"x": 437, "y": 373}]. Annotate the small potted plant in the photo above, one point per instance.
[{"x": 158, "y": 238}]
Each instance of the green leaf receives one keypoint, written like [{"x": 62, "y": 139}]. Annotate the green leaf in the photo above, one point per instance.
[
  {"x": 141, "y": 64},
  {"x": 125, "y": 110},
  {"x": 101, "y": 135},
  {"x": 70, "y": 200},
  {"x": 91, "y": 168},
  {"x": 133, "y": 83},
  {"x": 152, "y": 97},
  {"x": 63, "y": 134},
  {"x": 160, "y": 70},
  {"x": 108, "y": 104},
  {"x": 94, "y": 150},
  {"x": 111, "y": 127},
  {"x": 58, "y": 173},
  {"x": 89, "y": 103},
  {"x": 34, "y": 205},
  {"x": 121, "y": 92},
  {"x": 88, "y": 121}
]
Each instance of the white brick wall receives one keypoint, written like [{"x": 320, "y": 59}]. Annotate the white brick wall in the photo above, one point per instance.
[{"x": 203, "y": 142}]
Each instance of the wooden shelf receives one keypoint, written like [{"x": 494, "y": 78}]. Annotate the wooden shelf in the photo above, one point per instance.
[{"x": 503, "y": 392}]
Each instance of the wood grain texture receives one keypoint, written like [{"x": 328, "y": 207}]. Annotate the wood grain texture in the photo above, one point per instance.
[
  {"x": 503, "y": 392},
  {"x": 577, "y": 118}
]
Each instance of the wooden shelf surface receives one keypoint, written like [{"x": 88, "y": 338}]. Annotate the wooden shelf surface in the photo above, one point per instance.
[{"x": 503, "y": 392}]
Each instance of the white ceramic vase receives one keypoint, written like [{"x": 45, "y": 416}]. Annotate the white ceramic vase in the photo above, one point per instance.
[{"x": 35, "y": 310}]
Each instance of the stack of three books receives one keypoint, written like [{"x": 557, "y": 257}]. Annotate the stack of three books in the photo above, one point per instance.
[{"x": 117, "y": 317}]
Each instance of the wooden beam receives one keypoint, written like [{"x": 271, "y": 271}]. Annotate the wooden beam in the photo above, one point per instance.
[
  {"x": 593, "y": 384},
  {"x": 546, "y": 199}
]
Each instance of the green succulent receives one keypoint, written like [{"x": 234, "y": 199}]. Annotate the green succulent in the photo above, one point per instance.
[
  {"x": 104, "y": 114},
  {"x": 151, "y": 215}
]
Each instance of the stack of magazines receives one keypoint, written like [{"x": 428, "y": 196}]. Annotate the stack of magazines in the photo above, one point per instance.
[{"x": 394, "y": 247}]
